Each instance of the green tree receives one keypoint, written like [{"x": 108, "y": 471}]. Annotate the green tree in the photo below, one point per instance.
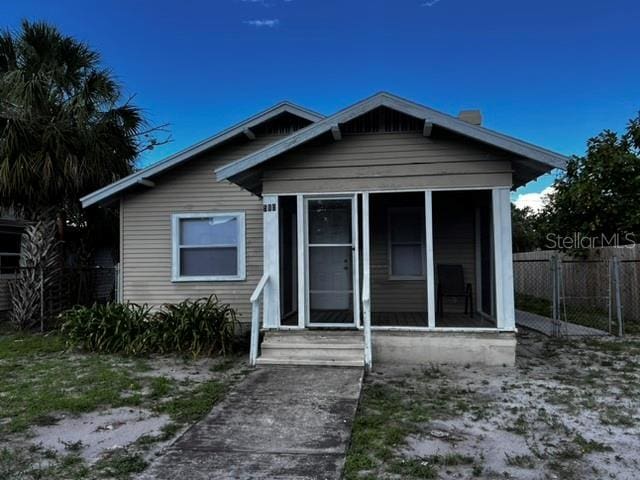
[
  {"x": 525, "y": 235},
  {"x": 65, "y": 129},
  {"x": 599, "y": 195}
]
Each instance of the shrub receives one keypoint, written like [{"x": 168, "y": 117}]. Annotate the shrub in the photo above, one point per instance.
[
  {"x": 197, "y": 327},
  {"x": 109, "y": 328},
  {"x": 203, "y": 326}
]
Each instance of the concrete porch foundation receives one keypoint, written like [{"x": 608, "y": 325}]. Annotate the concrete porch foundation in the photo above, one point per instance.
[{"x": 458, "y": 348}]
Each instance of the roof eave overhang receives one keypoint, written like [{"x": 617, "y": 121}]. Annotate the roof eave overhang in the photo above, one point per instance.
[
  {"x": 107, "y": 194},
  {"x": 481, "y": 134}
]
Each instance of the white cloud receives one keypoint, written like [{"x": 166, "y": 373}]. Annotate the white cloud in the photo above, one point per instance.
[
  {"x": 265, "y": 22},
  {"x": 430, "y": 3},
  {"x": 535, "y": 201}
]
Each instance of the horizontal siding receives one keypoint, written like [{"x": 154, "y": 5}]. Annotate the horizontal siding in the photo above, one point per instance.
[
  {"x": 146, "y": 230},
  {"x": 386, "y": 161}
]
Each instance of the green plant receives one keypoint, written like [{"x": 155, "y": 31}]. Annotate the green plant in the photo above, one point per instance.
[
  {"x": 196, "y": 327},
  {"x": 40, "y": 262},
  {"x": 203, "y": 326},
  {"x": 110, "y": 328}
]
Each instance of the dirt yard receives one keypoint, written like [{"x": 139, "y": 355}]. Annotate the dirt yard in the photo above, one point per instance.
[
  {"x": 569, "y": 410},
  {"x": 65, "y": 415}
]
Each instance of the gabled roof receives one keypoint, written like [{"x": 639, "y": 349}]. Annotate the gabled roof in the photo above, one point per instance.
[
  {"x": 143, "y": 176},
  {"x": 384, "y": 99}
]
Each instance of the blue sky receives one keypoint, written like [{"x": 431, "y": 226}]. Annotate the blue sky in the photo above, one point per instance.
[{"x": 550, "y": 72}]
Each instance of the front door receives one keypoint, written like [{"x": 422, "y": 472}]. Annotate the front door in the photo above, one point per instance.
[{"x": 331, "y": 269}]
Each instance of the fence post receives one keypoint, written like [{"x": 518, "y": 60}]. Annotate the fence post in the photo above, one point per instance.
[
  {"x": 616, "y": 280},
  {"x": 555, "y": 297},
  {"x": 41, "y": 298},
  {"x": 610, "y": 297}
]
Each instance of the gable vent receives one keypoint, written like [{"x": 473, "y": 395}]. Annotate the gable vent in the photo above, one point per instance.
[{"x": 382, "y": 120}]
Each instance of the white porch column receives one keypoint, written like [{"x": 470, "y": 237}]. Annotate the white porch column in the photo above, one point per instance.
[
  {"x": 271, "y": 263},
  {"x": 302, "y": 264},
  {"x": 503, "y": 261},
  {"x": 366, "y": 281},
  {"x": 431, "y": 289}
]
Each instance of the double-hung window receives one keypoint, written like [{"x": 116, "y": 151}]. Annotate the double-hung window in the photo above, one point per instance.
[
  {"x": 406, "y": 243},
  {"x": 208, "y": 246}
]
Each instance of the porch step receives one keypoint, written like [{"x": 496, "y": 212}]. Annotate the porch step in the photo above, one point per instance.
[
  {"x": 337, "y": 348},
  {"x": 317, "y": 363}
]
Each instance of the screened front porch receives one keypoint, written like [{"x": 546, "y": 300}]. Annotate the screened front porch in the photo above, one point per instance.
[{"x": 426, "y": 258}]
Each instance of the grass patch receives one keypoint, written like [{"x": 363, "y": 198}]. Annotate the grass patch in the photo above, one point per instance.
[
  {"x": 41, "y": 381},
  {"x": 389, "y": 413},
  {"x": 121, "y": 464},
  {"x": 192, "y": 405},
  {"x": 521, "y": 461}
]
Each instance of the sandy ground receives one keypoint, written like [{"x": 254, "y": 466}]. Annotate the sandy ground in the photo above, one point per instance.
[
  {"x": 566, "y": 411},
  {"x": 95, "y": 434},
  {"x": 98, "y": 432}
]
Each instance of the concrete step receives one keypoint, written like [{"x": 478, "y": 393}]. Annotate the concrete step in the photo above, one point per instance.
[
  {"x": 350, "y": 337},
  {"x": 313, "y": 353},
  {"x": 313, "y": 345},
  {"x": 308, "y": 347},
  {"x": 315, "y": 362}
]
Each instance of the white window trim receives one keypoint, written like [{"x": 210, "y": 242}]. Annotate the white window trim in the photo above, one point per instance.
[
  {"x": 175, "y": 261},
  {"x": 390, "y": 212}
]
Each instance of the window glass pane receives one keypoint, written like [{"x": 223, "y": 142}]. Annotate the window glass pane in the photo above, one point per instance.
[
  {"x": 9, "y": 243},
  {"x": 9, "y": 263},
  {"x": 406, "y": 226},
  {"x": 406, "y": 260},
  {"x": 330, "y": 221},
  {"x": 219, "y": 230},
  {"x": 208, "y": 261}
]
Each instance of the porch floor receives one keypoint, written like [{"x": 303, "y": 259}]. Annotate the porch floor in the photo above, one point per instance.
[{"x": 395, "y": 319}]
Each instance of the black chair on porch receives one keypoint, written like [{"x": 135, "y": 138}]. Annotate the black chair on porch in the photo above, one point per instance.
[{"x": 451, "y": 284}]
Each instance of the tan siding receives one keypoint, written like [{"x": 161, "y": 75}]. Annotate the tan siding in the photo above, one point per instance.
[
  {"x": 146, "y": 232},
  {"x": 386, "y": 161}
]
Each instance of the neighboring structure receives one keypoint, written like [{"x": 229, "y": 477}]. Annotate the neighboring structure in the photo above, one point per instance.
[
  {"x": 10, "y": 238},
  {"x": 338, "y": 223}
]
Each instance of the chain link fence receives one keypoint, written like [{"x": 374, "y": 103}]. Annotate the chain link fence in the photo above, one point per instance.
[
  {"x": 563, "y": 296},
  {"x": 69, "y": 287}
]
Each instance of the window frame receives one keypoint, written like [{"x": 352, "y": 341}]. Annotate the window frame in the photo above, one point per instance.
[
  {"x": 176, "y": 247},
  {"x": 390, "y": 244}
]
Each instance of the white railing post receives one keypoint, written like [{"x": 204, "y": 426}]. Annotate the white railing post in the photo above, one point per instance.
[
  {"x": 366, "y": 287},
  {"x": 256, "y": 300},
  {"x": 255, "y": 333}
]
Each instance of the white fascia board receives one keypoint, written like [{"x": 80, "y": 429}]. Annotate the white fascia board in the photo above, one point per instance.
[
  {"x": 169, "y": 162},
  {"x": 443, "y": 120}
]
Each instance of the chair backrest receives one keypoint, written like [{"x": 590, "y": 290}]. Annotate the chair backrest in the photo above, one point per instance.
[{"x": 451, "y": 279}]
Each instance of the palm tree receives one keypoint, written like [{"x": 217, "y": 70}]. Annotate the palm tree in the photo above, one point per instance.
[{"x": 64, "y": 127}]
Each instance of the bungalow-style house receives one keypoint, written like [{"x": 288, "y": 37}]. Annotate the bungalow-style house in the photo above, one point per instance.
[{"x": 381, "y": 233}]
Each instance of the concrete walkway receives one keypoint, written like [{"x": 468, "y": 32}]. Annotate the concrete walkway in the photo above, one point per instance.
[
  {"x": 278, "y": 423},
  {"x": 550, "y": 328}
]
